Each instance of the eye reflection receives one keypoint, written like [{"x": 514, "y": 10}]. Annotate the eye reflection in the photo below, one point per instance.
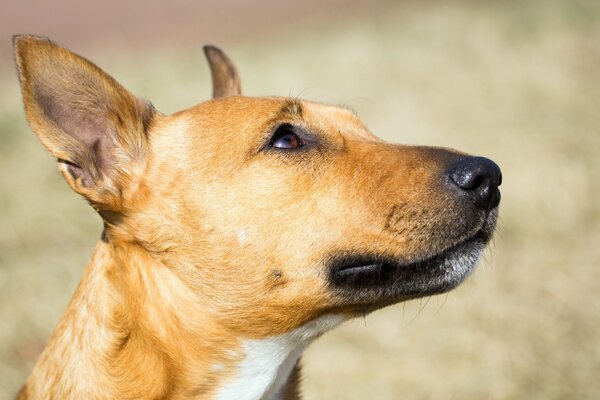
[{"x": 285, "y": 138}]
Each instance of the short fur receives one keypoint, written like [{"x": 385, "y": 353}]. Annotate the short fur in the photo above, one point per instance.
[{"x": 215, "y": 241}]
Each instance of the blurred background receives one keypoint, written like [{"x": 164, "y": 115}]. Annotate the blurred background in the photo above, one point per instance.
[{"x": 517, "y": 81}]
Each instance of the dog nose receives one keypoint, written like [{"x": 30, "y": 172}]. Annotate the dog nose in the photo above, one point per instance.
[{"x": 478, "y": 178}]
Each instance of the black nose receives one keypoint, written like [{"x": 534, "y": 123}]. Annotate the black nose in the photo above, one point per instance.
[{"x": 478, "y": 178}]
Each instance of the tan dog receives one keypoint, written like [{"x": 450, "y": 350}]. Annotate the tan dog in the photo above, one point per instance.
[{"x": 235, "y": 232}]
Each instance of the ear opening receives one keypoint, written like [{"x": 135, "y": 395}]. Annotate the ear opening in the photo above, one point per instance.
[
  {"x": 87, "y": 120},
  {"x": 225, "y": 78}
]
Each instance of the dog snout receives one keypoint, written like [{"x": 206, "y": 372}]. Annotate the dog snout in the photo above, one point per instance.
[{"x": 478, "y": 179}]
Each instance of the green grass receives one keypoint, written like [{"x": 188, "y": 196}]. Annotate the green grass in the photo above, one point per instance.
[{"x": 515, "y": 81}]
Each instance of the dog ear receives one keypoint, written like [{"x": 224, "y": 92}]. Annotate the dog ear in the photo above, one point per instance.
[
  {"x": 89, "y": 122},
  {"x": 225, "y": 78}
]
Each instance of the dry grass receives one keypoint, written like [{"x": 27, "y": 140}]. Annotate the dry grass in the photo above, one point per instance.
[{"x": 516, "y": 81}]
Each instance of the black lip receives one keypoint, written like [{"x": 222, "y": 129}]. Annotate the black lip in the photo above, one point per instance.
[
  {"x": 358, "y": 269},
  {"x": 350, "y": 264},
  {"x": 380, "y": 279},
  {"x": 364, "y": 282}
]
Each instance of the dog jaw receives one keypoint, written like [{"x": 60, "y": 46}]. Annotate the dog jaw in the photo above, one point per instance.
[{"x": 366, "y": 282}]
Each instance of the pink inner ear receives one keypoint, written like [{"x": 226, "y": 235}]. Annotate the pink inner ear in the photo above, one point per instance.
[{"x": 89, "y": 124}]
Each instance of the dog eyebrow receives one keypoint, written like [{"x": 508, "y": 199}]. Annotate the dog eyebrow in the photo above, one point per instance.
[{"x": 291, "y": 108}]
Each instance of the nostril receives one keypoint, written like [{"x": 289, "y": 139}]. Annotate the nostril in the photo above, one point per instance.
[
  {"x": 477, "y": 182},
  {"x": 467, "y": 179}
]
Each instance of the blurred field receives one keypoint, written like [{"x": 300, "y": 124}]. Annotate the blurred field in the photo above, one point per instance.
[{"x": 517, "y": 81}]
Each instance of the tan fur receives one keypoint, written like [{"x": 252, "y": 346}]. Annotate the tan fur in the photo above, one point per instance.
[{"x": 208, "y": 239}]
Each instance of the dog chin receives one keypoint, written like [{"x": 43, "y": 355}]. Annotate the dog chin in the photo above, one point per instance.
[
  {"x": 457, "y": 264},
  {"x": 370, "y": 282}
]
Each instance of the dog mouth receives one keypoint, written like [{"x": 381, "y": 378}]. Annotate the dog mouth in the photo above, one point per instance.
[{"x": 376, "y": 280}]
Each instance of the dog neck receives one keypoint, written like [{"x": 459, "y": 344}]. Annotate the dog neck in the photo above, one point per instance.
[
  {"x": 133, "y": 327},
  {"x": 268, "y": 363}
]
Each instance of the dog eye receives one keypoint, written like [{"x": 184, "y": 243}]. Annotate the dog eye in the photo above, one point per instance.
[{"x": 285, "y": 138}]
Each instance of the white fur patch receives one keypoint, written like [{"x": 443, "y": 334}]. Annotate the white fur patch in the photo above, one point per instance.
[
  {"x": 461, "y": 262},
  {"x": 268, "y": 362}
]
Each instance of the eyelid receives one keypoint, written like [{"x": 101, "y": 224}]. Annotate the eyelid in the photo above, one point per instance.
[
  {"x": 287, "y": 128},
  {"x": 307, "y": 139}
]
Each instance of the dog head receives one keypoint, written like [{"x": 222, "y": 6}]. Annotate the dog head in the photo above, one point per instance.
[{"x": 272, "y": 211}]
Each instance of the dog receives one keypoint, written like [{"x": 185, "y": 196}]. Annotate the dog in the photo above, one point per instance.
[{"x": 236, "y": 232}]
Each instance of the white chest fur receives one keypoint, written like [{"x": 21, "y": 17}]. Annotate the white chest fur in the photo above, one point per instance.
[{"x": 268, "y": 362}]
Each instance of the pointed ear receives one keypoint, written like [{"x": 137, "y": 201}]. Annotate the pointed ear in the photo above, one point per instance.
[
  {"x": 89, "y": 122},
  {"x": 225, "y": 78}
]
